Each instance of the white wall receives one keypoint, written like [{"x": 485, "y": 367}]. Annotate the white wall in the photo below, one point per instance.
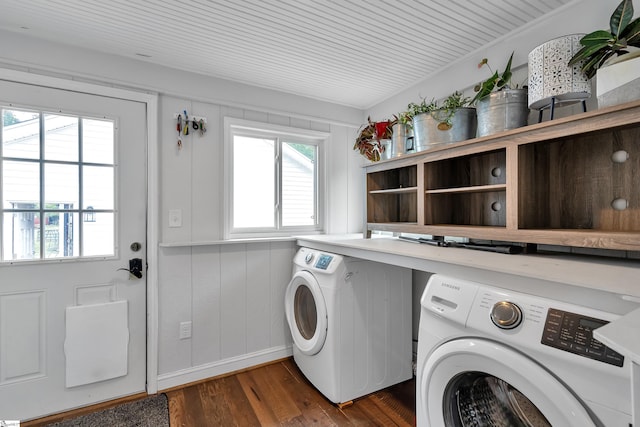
[{"x": 232, "y": 293}]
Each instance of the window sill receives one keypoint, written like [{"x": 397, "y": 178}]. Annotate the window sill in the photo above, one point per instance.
[{"x": 226, "y": 242}]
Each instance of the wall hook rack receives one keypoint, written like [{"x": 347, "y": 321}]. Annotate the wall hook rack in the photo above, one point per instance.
[{"x": 184, "y": 121}]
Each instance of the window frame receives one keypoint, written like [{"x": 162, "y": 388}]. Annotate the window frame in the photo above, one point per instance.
[{"x": 233, "y": 127}]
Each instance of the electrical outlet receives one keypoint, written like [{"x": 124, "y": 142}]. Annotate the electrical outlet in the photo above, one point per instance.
[
  {"x": 185, "y": 330},
  {"x": 175, "y": 218}
]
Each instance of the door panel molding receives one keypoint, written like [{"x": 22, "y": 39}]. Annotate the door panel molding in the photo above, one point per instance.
[{"x": 22, "y": 352}]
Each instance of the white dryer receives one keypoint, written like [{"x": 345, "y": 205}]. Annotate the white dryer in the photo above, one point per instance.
[
  {"x": 350, "y": 321},
  {"x": 490, "y": 356}
]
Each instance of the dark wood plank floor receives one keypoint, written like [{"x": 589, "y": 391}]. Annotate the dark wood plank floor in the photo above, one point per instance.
[{"x": 279, "y": 395}]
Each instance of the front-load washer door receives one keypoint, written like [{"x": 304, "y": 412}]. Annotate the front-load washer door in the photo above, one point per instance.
[
  {"x": 306, "y": 313},
  {"x": 476, "y": 382}
]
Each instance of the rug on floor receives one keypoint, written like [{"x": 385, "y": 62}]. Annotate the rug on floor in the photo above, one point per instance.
[{"x": 152, "y": 411}]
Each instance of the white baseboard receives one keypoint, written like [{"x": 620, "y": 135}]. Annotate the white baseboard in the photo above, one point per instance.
[{"x": 225, "y": 366}]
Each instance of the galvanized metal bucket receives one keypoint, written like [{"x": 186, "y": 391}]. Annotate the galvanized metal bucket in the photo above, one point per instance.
[
  {"x": 401, "y": 132},
  {"x": 387, "y": 153},
  {"x": 428, "y": 129},
  {"x": 503, "y": 110}
]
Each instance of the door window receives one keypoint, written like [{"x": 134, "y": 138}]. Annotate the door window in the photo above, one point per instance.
[
  {"x": 58, "y": 185},
  {"x": 475, "y": 399}
]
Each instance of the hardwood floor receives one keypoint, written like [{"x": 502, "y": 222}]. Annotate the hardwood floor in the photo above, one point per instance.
[{"x": 279, "y": 395}]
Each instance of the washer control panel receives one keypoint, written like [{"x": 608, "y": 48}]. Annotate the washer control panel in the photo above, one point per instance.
[
  {"x": 323, "y": 261},
  {"x": 574, "y": 333}
]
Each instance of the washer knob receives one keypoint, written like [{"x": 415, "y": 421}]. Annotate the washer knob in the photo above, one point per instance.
[
  {"x": 506, "y": 315},
  {"x": 308, "y": 258}
]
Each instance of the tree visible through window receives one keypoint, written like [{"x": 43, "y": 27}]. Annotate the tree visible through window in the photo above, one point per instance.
[
  {"x": 275, "y": 180},
  {"x": 57, "y": 170}
]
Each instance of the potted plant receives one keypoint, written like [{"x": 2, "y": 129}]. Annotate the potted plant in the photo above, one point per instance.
[
  {"x": 373, "y": 139},
  {"x": 606, "y": 55},
  {"x": 449, "y": 122},
  {"x": 499, "y": 107},
  {"x": 402, "y": 134}
]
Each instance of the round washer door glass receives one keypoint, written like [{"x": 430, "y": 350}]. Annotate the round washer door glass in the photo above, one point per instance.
[
  {"x": 306, "y": 313},
  {"x": 475, "y": 399},
  {"x": 477, "y": 382}
]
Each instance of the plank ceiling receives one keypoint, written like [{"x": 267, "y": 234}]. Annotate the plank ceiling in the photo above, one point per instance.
[{"x": 351, "y": 52}]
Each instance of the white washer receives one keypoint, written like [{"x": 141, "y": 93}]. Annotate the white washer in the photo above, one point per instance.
[
  {"x": 350, "y": 321},
  {"x": 490, "y": 356}
]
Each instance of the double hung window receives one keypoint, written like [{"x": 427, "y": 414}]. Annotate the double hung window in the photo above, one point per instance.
[{"x": 274, "y": 179}]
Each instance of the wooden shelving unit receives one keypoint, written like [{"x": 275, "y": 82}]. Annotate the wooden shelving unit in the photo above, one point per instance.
[{"x": 552, "y": 183}]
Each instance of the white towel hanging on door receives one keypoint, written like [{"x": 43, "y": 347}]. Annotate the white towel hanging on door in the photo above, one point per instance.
[{"x": 96, "y": 343}]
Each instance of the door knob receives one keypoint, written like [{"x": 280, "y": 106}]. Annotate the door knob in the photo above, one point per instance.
[{"x": 135, "y": 267}]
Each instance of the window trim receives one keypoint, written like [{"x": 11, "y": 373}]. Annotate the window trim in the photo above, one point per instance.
[{"x": 260, "y": 129}]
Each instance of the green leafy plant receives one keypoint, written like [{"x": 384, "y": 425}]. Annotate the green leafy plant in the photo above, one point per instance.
[
  {"x": 450, "y": 105},
  {"x": 600, "y": 45},
  {"x": 497, "y": 80},
  {"x": 423, "y": 107},
  {"x": 442, "y": 113},
  {"x": 404, "y": 117}
]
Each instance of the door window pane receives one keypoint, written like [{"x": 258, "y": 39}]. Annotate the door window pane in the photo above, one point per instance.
[
  {"x": 61, "y": 185},
  {"x": 61, "y": 138},
  {"x": 20, "y": 184},
  {"x": 60, "y": 237},
  {"x": 98, "y": 235},
  {"x": 98, "y": 141},
  {"x": 21, "y": 134},
  {"x": 298, "y": 184},
  {"x": 98, "y": 187},
  {"x": 253, "y": 179},
  {"x": 21, "y": 235}
]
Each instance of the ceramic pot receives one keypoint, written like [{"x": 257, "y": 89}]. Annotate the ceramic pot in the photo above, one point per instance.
[{"x": 619, "y": 82}]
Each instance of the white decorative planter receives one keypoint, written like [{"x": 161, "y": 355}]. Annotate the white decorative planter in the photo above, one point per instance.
[
  {"x": 551, "y": 78},
  {"x": 619, "y": 82}
]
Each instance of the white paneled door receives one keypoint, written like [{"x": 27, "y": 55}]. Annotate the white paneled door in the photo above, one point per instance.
[{"x": 73, "y": 187}]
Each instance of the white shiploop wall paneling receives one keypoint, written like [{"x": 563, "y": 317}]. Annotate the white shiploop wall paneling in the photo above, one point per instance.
[{"x": 235, "y": 298}]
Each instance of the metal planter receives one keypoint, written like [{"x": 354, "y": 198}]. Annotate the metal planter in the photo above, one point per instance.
[
  {"x": 401, "y": 137},
  {"x": 427, "y": 132},
  {"x": 503, "y": 110}
]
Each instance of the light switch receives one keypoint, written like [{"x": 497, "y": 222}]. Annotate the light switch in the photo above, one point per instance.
[{"x": 175, "y": 218}]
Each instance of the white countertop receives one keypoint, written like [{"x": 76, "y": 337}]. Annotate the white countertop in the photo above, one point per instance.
[
  {"x": 613, "y": 275},
  {"x": 622, "y": 335}
]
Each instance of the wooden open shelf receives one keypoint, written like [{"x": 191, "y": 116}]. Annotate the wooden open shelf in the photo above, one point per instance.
[{"x": 552, "y": 183}]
